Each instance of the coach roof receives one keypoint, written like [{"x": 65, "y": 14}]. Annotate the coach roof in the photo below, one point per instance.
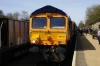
[{"x": 48, "y": 8}]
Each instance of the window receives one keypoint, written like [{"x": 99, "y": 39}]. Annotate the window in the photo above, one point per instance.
[
  {"x": 57, "y": 22},
  {"x": 39, "y": 22}
]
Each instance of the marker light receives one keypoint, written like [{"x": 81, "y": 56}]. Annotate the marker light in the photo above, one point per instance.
[
  {"x": 49, "y": 14},
  {"x": 35, "y": 41}
]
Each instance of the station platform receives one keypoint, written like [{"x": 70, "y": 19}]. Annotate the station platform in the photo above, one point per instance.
[{"x": 87, "y": 51}]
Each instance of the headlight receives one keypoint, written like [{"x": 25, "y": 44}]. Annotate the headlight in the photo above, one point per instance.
[{"x": 35, "y": 41}]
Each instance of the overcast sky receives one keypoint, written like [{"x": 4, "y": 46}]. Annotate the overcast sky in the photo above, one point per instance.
[{"x": 74, "y": 8}]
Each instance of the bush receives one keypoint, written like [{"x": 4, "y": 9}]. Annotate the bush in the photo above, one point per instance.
[{"x": 94, "y": 31}]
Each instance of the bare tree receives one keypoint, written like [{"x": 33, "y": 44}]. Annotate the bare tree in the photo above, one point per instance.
[
  {"x": 81, "y": 24},
  {"x": 1, "y": 14},
  {"x": 24, "y": 15},
  {"x": 9, "y": 15},
  {"x": 16, "y": 16}
]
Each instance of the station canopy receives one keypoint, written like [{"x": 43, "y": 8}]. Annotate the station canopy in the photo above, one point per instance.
[{"x": 50, "y": 9}]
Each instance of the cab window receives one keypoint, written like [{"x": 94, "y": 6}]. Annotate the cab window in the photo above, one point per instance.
[
  {"x": 57, "y": 22},
  {"x": 39, "y": 22}
]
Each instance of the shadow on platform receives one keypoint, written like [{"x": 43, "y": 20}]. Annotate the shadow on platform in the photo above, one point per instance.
[{"x": 83, "y": 42}]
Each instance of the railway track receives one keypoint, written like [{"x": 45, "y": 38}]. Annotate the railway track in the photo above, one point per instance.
[
  {"x": 47, "y": 64},
  {"x": 28, "y": 59}
]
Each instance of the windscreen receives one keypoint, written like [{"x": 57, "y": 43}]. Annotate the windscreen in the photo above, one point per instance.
[
  {"x": 57, "y": 22},
  {"x": 39, "y": 22}
]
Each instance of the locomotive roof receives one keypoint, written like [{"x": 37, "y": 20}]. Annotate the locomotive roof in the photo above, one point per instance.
[{"x": 48, "y": 8}]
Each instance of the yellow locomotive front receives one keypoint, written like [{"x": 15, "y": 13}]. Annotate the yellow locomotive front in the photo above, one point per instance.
[{"x": 50, "y": 31}]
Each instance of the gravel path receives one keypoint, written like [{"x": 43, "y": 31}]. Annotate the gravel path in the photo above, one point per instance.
[{"x": 91, "y": 50}]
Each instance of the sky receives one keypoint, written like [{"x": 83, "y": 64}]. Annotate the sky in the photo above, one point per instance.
[{"x": 76, "y": 9}]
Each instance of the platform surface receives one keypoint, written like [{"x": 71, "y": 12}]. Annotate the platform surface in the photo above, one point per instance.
[{"x": 87, "y": 51}]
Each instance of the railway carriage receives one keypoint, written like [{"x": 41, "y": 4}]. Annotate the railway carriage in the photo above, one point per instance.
[{"x": 14, "y": 38}]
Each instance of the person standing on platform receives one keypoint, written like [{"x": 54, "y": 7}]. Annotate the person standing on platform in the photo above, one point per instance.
[
  {"x": 91, "y": 31},
  {"x": 99, "y": 35},
  {"x": 86, "y": 31}
]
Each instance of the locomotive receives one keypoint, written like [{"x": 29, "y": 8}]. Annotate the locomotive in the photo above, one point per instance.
[{"x": 50, "y": 32}]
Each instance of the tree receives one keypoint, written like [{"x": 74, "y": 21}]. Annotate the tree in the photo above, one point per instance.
[
  {"x": 16, "y": 16},
  {"x": 81, "y": 24},
  {"x": 92, "y": 14},
  {"x": 1, "y": 14},
  {"x": 24, "y": 15},
  {"x": 9, "y": 16}
]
